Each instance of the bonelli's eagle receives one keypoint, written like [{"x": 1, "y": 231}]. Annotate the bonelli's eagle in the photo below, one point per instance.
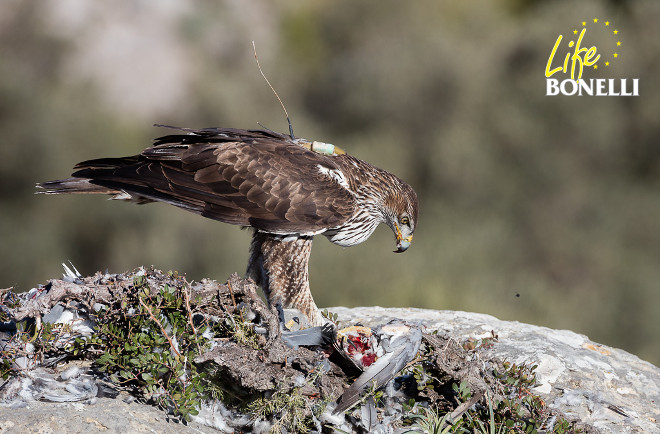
[{"x": 287, "y": 189}]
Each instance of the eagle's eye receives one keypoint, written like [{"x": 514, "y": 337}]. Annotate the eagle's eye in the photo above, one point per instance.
[{"x": 405, "y": 221}]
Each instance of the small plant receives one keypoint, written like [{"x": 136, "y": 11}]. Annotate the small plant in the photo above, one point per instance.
[
  {"x": 286, "y": 407},
  {"x": 329, "y": 315},
  {"x": 562, "y": 426},
  {"x": 423, "y": 379},
  {"x": 242, "y": 332},
  {"x": 150, "y": 348},
  {"x": 489, "y": 426},
  {"x": 462, "y": 391},
  {"x": 428, "y": 421},
  {"x": 472, "y": 344}
]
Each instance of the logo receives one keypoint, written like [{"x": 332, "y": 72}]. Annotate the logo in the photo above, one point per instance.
[{"x": 580, "y": 60}]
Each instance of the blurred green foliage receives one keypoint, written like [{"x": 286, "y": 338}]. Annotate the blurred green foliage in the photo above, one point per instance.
[{"x": 533, "y": 208}]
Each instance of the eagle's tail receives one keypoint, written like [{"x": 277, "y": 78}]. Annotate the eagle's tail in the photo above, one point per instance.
[
  {"x": 86, "y": 186},
  {"x": 72, "y": 186},
  {"x": 97, "y": 177}
]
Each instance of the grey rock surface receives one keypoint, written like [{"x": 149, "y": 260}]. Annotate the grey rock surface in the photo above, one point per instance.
[
  {"x": 606, "y": 387},
  {"x": 106, "y": 415},
  {"x": 602, "y": 386}
]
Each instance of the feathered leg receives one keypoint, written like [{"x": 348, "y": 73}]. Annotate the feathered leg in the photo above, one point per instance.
[{"x": 279, "y": 265}]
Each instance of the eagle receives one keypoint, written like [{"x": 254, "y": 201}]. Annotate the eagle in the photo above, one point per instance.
[{"x": 286, "y": 189}]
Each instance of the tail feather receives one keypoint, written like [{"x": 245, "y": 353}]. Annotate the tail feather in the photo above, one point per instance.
[
  {"x": 73, "y": 186},
  {"x": 107, "y": 163}
]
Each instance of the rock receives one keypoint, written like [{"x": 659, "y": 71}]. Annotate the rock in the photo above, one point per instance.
[
  {"x": 105, "y": 416},
  {"x": 605, "y": 387}
]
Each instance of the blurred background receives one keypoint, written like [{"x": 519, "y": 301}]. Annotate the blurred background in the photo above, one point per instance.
[{"x": 538, "y": 209}]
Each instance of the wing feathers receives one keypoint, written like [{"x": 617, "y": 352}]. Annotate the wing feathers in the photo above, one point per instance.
[
  {"x": 208, "y": 175},
  {"x": 254, "y": 178}
]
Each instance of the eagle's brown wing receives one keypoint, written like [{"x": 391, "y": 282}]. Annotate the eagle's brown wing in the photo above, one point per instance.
[
  {"x": 265, "y": 180},
  {"x": 251, "y": 178}
]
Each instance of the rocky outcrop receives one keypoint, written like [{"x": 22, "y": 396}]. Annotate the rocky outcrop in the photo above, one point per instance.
[{"x": 604, "y": 387}]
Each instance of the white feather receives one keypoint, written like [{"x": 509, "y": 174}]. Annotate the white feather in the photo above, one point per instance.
[{"x": 334, "y": 174}]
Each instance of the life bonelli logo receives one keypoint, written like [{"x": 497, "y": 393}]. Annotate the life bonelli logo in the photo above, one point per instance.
[{"x": 579, "y": 60}]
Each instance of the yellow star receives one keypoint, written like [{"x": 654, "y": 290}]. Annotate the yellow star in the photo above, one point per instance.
[
  {"x": 607, "y": 63},
  {"x": 595, "y": 66},
  {"x": 616, "y": 32},
  {"x": 575, "y": 32},
  {"x": 616, "y": 55},
  {"x": 607, "y": 23},
  {"x": 584, "y": 23},
  {"x": 595, "y": 20},
  {"x": 618, "y": 43}
]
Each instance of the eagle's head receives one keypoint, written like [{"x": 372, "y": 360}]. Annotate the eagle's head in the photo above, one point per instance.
[{"x": 401, "y": 216}]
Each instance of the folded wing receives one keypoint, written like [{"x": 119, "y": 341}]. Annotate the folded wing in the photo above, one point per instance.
[{"x": 251, "y": 178}]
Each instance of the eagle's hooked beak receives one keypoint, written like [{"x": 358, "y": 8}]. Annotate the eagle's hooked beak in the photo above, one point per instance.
[{"x": 402, "y": 243}]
